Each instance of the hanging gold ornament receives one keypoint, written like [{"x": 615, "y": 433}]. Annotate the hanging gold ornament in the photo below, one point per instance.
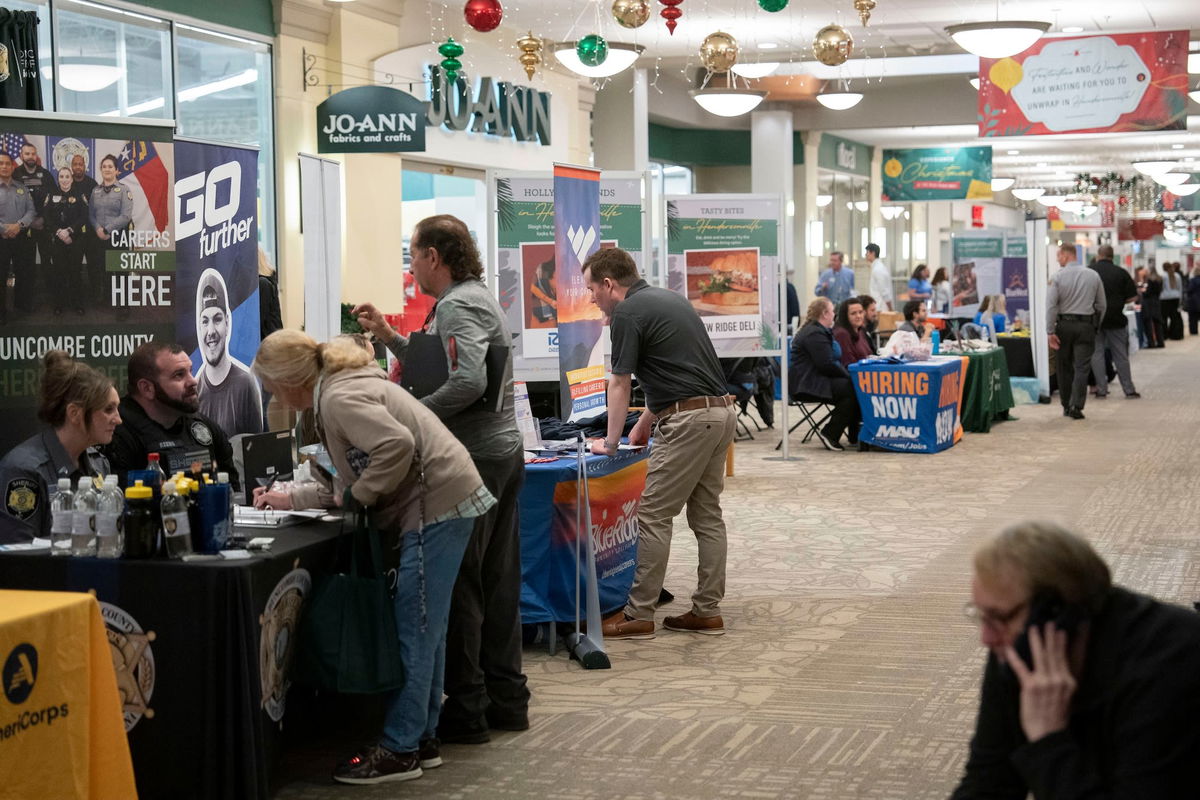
[
  {"x": 718, "y": 52},
  {"x": 832, "y": 45},
  {"x": 863, "y": 7},
  {"x": 531, "y": 53},
  {"x": 631, "y": 13}
]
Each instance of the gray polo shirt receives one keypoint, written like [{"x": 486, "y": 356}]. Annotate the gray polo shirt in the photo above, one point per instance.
[
  {"x": 16, "y": 204},
  {"x": 1074, "y": 290}
]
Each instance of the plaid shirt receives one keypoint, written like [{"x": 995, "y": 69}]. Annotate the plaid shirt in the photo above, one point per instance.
[{"x": 477, "y": 503}]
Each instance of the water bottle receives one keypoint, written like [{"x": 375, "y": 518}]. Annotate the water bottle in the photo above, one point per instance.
[
  {"x": 223, "y": 480},
  {"x": 141, "y": 527},
  {"x": 177, "y": 529},
  {"x": 155, "y": 465},
  {"x": 937, "y": 341},
  {"x": 110, "y": 512},
  {"x": 62, "y": 516},
  {"x": 83, "y": 523}
]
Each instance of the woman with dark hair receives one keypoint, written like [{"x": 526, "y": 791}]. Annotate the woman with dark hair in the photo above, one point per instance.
[
  {"x": 79, "y": 407},
  {"x": 943, "y": 295},
  {"x": 817, "y": 372},
  {"x": 1172, "y": 295},
  {"x": 65, "y": 212},
  {"x": 110, "y": 210},
  {"x": 919, "y": 287},
  {"x": 849, "y": 331},
  {"x": 1152, "y": 309}
]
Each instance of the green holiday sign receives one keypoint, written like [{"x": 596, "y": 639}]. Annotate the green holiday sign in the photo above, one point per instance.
[{"x": 942, "y": 173}]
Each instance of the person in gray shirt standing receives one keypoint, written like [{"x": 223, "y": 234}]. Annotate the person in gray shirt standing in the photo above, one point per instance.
[
  {"x": 16, "y": 248},
  {"x": 110, "y": 209},
  {"x": 484, "y": 682},
  {"x": 1075, "y": 306}
]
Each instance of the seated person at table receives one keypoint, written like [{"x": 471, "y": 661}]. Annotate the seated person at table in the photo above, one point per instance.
[
  {"x": 160, "y": 414},
  {"x": 393, "y": 454},
  {"x": 849, "y": 332},
  {"x": 816, "y": 371},
  {"x": 870, "y": 321},
  {"x": 1090, "y": 690},
  {"x": 914, "y": 319},
  {"x": 919, "y": 287},
  {"x": 79, "y": 406},
  {"x": 992, "y": 312}
]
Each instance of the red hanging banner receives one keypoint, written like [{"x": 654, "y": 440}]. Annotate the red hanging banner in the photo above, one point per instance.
[{"x": 1090, "y": 84}]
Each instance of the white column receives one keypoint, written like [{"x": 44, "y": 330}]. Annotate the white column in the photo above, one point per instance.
[
  {"x": 809, "y": 267},
  {"x": 771, "y": 171},
  {"x": 621, "y": 123}
]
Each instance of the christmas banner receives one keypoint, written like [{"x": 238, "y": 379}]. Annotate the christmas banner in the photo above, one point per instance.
[
  {"x": 723, "y": 255},
  {"x": 89, "y": 266},
  {"x": 1088, "y": 84},
  {"x": 937, "y": 173}
]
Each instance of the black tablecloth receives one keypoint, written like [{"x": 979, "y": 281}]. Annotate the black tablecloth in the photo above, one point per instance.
[
  {"x": 191, "y": 643},
  {"x": 1018, "y": 351}
]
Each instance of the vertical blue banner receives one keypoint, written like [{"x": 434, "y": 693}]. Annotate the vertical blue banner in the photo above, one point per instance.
[
  {"x": 216, "y": 245},
  {"x": 580, "y": 322}
]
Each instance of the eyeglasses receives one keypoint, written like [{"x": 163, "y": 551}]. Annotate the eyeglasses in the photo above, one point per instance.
[{"x": 993, "y": 619}]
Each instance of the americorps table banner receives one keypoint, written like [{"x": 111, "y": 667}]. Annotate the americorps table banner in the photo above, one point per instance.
[
  {"x": 1089, "y": 84},
  {"x": 723, "y": 255},
  {"x": 937, "y": 173}
]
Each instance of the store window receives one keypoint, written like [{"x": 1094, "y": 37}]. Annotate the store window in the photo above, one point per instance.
[
  {"x": 665, "y": 179},
  {"x": 112, "y": 63},
  {"x": 844, "y": 207},
  {"x": 428, "y": 189},
  {"x": 224, "y": 95}
]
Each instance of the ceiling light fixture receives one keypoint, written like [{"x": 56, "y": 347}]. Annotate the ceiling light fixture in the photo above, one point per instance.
[
  {"x": 1151, "y": 168},
  {"x": 1170, "y": 179},
  {"x": 1028, "y": 193},
  {"x": 1000, "y": 184},
  {"x": 1050, "y": 200},
  {"x": 824, "y": 200},
  {"x": 767, "y": 45},
  {"x": 998, "y": 39},
  {"x": 1184, "y": 189},
  {"x": 839, "y": 100},
  {"x": 84, "y": 76},
  {"x": 891, "y": 212},
  {"x": 755, "y": 70},
  {"x": 974, "y": 82},
  {"x": 620, "y": 58},
  {"x": 1073, "y": 29},
  {"x": 1014, "y": 152}
]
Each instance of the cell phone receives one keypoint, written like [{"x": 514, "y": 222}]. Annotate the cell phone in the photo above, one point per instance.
[{"x": 1048, "y": 606}]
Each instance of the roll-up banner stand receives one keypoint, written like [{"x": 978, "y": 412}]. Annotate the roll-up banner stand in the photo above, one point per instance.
[
  {"x": 988, "y": 262},
  {"x": 1039, "y": 279},
  {"x": 522, "y": 245},
  {"x": 723, "y": 252}
]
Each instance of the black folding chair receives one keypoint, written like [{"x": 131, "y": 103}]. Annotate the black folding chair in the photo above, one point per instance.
[{"x": 814, "y": 412}]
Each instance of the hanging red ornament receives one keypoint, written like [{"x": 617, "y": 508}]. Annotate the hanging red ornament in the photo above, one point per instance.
[
  {"x": 483, "y": 15},
  {"x": 671, "y": 13}
]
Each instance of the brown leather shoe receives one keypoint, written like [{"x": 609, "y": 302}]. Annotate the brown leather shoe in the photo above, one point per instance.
[
  {"x": 690, "y": 623},
  {"x": 622, "y": 626}
]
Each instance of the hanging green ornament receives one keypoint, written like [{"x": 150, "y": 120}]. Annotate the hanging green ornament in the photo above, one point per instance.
[
  {"x": 450, "y": 50},
  {"x": 772, "y": 5},
  {"x": 592, "y": 50}
]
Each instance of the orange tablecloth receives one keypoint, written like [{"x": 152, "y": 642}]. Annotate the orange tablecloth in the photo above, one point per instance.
[{"x": 62, "y": 734}]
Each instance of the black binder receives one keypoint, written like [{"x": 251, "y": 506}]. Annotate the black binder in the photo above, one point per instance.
[{"x": 426, "y": 370}]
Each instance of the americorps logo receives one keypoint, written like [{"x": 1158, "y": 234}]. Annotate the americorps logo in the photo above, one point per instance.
[{"x": 20, "y": 673}]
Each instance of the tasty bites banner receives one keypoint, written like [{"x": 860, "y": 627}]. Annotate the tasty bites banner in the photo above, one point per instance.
[
  {"x": 937, "y": 173},
  {"x": 92, "y": 271},
  {"x": 723, "y": 255},
  {"x": 1090, "y": 84}
]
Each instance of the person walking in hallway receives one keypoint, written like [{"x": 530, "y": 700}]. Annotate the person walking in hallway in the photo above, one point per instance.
[
  {"x": 1119, "y": 289},
  {"x": 657, "y": 335},
  {"x": 1075, "y": 305},
  {"x": 1193, "y": 301}
]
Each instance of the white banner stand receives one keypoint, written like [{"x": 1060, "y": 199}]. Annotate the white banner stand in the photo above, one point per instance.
[{"x": 1039, "y": 278}]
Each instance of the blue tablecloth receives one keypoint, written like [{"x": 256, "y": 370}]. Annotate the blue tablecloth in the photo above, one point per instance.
[
  {"x": 910, "y": 407},
  {"x": 548, "y": 528}
]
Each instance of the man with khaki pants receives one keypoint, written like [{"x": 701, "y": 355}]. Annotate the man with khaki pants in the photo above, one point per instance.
[{"x": 657, "y": 335}]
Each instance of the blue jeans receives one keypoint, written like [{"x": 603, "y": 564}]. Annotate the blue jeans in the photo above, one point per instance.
[{"x": 413, "y": 711}]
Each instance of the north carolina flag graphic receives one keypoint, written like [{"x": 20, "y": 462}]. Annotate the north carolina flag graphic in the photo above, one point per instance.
[{"x": 142, "y": 171}]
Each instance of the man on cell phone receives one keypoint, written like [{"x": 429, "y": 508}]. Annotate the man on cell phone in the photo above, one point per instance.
[{"x": 1090, "y": 690}]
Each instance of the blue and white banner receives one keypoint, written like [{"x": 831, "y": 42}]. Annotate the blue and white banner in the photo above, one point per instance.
[
  {"x": 216, "y": 245},
  {"x": 910, "y": 407},
  {"x": 580, "y": 322}
]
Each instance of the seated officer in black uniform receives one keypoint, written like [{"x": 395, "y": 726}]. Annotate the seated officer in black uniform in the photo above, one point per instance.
[
  {"x": 79, "y": 406},
  {"x": 160, "y": 414}
]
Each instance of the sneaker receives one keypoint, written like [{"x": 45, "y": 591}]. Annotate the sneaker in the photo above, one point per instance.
[
  {"x": 1075, "y": 413},
  {"x": 430, "y": 753},
  {"x": 377, "y": 764},
  {"x": 1133, "y": 395},
  {"x": 622, "y": 626},
  {"x": 829, "y": 442},
  {"x": 690, "y": 623}
]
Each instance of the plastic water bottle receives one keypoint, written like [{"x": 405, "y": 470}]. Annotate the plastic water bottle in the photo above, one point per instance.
[
  {"x": 223, "y": 480},
  {"x": 83, "y": 523},
  {"x": 62, "y": 517},
  {"x": 177, "y": 529},
  {"x": 110, "y": 513},
  {"x": 937, "y": 341}
]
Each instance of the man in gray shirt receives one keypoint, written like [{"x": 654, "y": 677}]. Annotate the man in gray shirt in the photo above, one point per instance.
[
  {"x": 16, "y": 248},
  {"x": 484, "y": 683},
  {"x": 1075, "y": 306}
]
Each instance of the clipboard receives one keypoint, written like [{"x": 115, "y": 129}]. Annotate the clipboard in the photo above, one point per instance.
[{"x": 426, "y": 370}]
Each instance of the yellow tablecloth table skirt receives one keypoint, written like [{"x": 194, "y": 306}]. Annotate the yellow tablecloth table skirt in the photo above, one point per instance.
[{"x": 62, "y": 734}]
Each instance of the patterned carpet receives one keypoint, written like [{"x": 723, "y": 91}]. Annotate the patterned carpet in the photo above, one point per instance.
[{"x": 848, "y": 669}]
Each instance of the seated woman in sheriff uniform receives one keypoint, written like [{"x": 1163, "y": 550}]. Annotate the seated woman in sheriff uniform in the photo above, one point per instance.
[{"x": 79, "y": 406}]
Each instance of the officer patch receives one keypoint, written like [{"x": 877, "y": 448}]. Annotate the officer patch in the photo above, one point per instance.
[
  {"x": 70, "y": 199},
  {"x": 20, "y": 191},
  {"x": 56, "y": 198},
  {"x": 21, "y": 498},
  {"x": 201, "y": 433},
  {"x": 358, "y": 460},
  {"x": 117, "y": 190}
]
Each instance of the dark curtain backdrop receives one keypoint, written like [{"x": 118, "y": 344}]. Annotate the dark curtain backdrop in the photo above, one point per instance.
[{"x": 20, "y": 84}]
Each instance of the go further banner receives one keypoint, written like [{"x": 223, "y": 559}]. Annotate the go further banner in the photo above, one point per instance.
[
  {"x": 580, "y": 321},
  {"x": 526, "y": 261},
  {"x": 723, "y": 255},
  {"x": 937, "y": 173},
  {"x": 1090, "y": 84},
  {"x": 90, "y": 267},
  {"x": 910, "y": 407},
  {"x": 216, "y": 240}
]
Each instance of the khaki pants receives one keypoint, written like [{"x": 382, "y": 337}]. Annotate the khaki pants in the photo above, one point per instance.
[{"x": 687, "y": 467}]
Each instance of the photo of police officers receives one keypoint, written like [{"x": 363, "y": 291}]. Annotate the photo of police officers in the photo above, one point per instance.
[{"x": 16, "y": 257}]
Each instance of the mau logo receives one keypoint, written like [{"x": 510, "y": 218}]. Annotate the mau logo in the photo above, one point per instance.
[
  {"x": 581, "y": 241},
  {"x": 20, "y": 673}
]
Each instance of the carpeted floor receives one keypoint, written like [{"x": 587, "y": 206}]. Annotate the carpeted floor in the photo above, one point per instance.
[{"x": 848, "y": 669}]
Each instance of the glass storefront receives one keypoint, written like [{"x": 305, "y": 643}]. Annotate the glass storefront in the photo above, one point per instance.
[{"x": 844, "y": 206}]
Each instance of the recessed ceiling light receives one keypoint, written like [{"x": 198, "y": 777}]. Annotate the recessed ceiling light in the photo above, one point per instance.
[
  {"x": 1014, "y": 152},
  {"x": 767, "y": 45},
  {"x": 1176, "y": 147},
  {"x": 1073, "y": 29},
  {"x": 1043, "y": 164}
]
